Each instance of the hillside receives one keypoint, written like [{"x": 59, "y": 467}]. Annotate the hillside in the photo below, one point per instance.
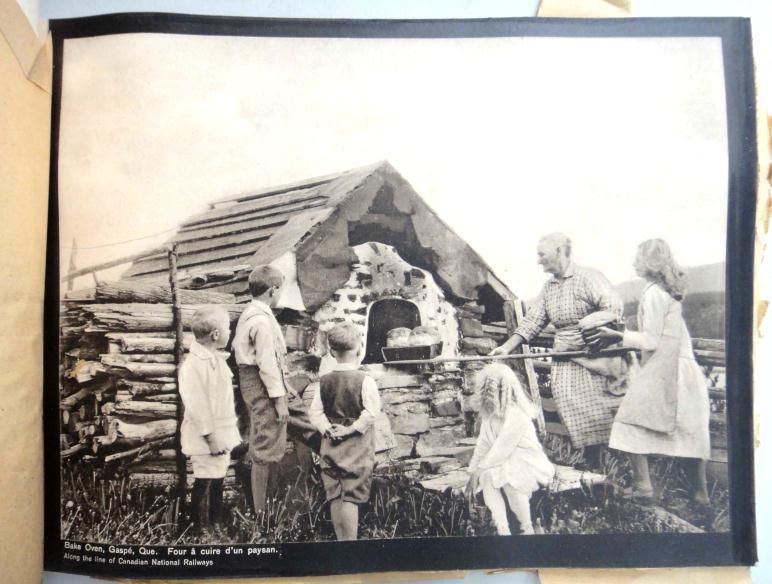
[
  {"x": 704, "y": 278},
  {"x": 703, "y": 307}
]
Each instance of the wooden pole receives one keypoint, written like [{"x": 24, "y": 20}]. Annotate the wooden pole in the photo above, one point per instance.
[
  {"x": 513, "y": 313},
  {"x": 111, "y": 264},
  {"x": 517, "y": 357},
  {"x": 71, "y": 268},
  {"x": 178, "y": 352}
]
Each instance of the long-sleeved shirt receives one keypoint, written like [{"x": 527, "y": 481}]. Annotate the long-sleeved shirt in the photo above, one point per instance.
[
  {"x": 206, "y": 389},
  {"x": 653, "y": 311},
  {"x": 259, "y": 342},
  {"x": 566, "y": 300},
  {"x": 371, "y": 401}
]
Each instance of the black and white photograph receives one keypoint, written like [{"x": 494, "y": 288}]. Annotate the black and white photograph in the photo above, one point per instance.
[{"x": 360, "y": 286}]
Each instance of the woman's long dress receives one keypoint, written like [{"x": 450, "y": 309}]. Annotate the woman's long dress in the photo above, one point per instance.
[
  {"x": 584, "y": 403},
  {"x": 690, "y": 437}
]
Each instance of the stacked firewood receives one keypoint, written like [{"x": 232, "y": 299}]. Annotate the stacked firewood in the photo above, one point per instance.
[{"x": 118, "y": 382}]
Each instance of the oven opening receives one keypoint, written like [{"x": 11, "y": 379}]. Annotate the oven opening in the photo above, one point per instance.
[{"x": 383, "y": 316}]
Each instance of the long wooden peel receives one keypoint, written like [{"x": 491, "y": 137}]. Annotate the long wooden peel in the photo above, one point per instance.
[{"x": 517, "y": 357}]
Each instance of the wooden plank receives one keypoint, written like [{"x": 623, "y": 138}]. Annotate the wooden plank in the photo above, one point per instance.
[
  {"x": 141, "y": 389},
  {"x": 144, "y": 317},
  {"x": 239, "y": 287},
  {"x": 513, "y": 314},
  {"x": 273, "y": 202},
  {"x": 206, "y": 266},
  {"x": 253, "y": 219},
  {"x": 213, "y": 258},
  {"x": 210, "y": 233},
  {"x": 719, "y": 455},
  {"x": 718, "y": 422},
  {"x": 112, "y": 358},
  {"x": 220, "y": 240},
  {"x": 138, "y": 370},
  {"x": 509, "y": 317},
  {"x": 150, "y": 292},
  {"x": 80, "y": 295},
  {"x": 717, "y": 393},
  {"x": 710, "y": 357},
  {"x": 144, "y": 409},
  {"x": 718, "y": 440},
  {"x": 555, "y": 428},
  {"x": 709, "y": 344},
  {"x": 278, "y": 190},
  {"x": 146, "y": 343}
]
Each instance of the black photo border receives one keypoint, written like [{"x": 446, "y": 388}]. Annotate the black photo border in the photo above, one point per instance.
[{"x": 737, "y": 547}]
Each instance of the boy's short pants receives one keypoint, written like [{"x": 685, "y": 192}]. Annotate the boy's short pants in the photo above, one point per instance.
[{"x": 208, "y": 466}]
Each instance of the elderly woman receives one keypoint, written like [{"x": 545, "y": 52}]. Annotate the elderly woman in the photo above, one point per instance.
[
  {"x": 583, "y": 389},
  {"x": 666, "y": 410}
]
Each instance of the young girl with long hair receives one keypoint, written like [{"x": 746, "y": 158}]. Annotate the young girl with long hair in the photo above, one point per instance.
[
  {"x": 508, "y": 460},
  {"x": 666, "y": 410}
]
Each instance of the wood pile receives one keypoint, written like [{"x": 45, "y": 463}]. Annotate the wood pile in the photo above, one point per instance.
[{"x": 118, "y": 384}]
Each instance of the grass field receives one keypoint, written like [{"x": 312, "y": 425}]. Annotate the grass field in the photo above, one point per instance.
[{"x": 114, "y": 511}]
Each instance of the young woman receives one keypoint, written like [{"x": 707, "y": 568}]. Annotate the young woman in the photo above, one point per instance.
[{"x": 666, "y": 410}]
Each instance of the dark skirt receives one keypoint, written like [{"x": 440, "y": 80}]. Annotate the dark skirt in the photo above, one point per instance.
[{"x": 347, "y": 467}]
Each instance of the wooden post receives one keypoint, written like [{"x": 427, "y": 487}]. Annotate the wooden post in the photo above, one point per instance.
[
  {"x": 178, "y": 352},
  {"x": 71, "y": 268},
  {"x": 513, "y": 313}
]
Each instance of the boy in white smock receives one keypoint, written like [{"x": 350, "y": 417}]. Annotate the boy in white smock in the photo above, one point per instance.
[{"x": 209, "y": 428}]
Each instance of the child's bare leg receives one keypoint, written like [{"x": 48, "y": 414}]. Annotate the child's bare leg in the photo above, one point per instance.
[
  {"x": 260, "y": 474},
  {"x": 641, "y": 477},
  {"x": 696, "y": 469},
  {"x": 337, "y": 518},
  {"x": 495, "y": 502},
  {"x": 520, "y": 503},
  {"x": 349, "y": 519}
]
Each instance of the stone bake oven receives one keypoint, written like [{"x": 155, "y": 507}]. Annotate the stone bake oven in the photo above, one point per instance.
[{"x": 363, "y": 247}]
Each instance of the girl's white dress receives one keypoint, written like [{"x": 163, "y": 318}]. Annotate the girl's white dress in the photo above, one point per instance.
[
  {"x": 690, "y": 437},
  {"x": 508, "y": 452}
]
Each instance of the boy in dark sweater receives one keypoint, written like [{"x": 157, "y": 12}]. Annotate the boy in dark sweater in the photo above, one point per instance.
[{"x": 344, "y": 410}]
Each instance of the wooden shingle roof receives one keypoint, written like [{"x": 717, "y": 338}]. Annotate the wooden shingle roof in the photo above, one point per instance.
[
  {"x": 233, "y": 229},
  {"x": 318, "y": 221}
]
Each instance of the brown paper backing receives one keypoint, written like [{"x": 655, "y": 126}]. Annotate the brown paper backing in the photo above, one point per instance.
[{"x": 25, "y": 113}]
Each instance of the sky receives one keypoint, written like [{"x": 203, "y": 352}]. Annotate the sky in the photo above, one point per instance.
[{"x": 612, "y": 141}]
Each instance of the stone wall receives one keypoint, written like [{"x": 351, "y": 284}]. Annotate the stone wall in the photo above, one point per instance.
[
  {"x": 431, "y": 410},
  {"x": 382, "y": 273}
]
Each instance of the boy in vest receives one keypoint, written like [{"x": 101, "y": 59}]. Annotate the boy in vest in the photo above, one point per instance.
[
  {"x": 344, "y": 410},
  {"x": 261, "y": 354},
  {"x": 209, "y": 430}
]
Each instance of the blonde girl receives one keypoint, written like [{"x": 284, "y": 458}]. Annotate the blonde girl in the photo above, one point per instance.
[
  {"x": 667, "y": 407},
  {"x": 508, "y": 460}
]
